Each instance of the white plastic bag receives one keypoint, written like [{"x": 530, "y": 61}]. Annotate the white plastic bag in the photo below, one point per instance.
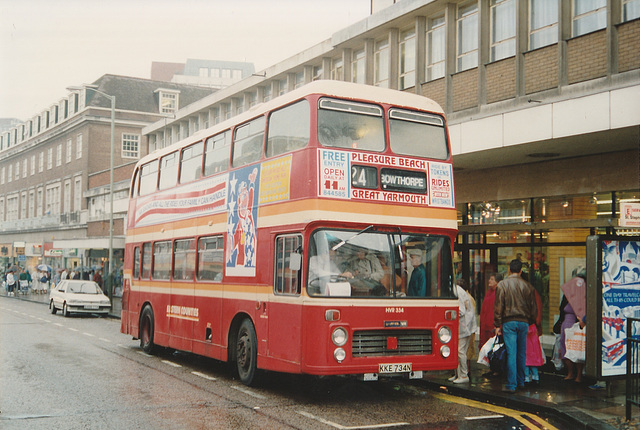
[
  {"x": 575, "y": 340},
  {"x": 483, "y": 357},
  {"x": 555, "y": 355}
]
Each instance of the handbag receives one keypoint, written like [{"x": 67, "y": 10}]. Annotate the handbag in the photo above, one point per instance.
[
  {"x": 483, "y": 355},
  {"x": 498, "y": 356}
]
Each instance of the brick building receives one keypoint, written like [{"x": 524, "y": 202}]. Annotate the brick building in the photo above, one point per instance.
[
  {"x": 543, "y": 103},
  {"x": 55, "y": 171}
]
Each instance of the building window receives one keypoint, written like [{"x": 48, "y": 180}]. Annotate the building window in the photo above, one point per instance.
[
  {"x": 41, "y": 162},
  {"x": 23, "y": 205},
  {"x": 32, "y": 204},
  {"x": 168, "y": 101},
  {"x": 357, "y": 67},
  {"x": 407, "y": 60},
  {"x": 381, "y": 64},
  {"x": 77, "y": 194},
  {"x": 435, "y": 48},
  {"x": 12, "y": 208},
  {"x": 467, "y": 27},
  {"x": 33, "y": 165},
  {"x": 79, "y": 147},
  {"x": 503, "y": 29},
  {"x": 10, "y": 173},
  {"x": 1, "y": 210},
  {"x": 17, "y": 170},
  {"x": 543, "y": 23},
  {"x": 203, "y": 72},
  {"x": 588, "y": 16},
  {"x": 267, "y": 93},
  {"x": 2, "y": 171},
  {"x": 130, "y": 145},
  {"x": 25, "y": 168},
  {"x": 69, "y": 150},
  {"x": 337, "y": 72},
  {"x": 53, "y": 200},
  {"x": 40, "y": 202},
  {"x": 630, "y": 10},
  {"x": 59, "y": 155},
  {"x": 67, "y": 196},
  {"x": 49, "y": 158}
]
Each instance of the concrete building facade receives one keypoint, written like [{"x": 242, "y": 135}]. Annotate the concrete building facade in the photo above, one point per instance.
[{"x": 543, "y": 103}]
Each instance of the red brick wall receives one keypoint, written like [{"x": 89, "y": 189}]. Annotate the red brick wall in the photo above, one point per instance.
[
  {"x": 541, "y": 69},
  {"x": 501, "y": 80},
  {"x": 587, "y": 57}
]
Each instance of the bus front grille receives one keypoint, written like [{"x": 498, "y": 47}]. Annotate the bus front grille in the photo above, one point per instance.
[{"x": 391, "y": 342}]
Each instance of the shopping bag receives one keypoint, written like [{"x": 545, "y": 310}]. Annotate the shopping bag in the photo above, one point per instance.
[
  {"x": 483, "y": 355},
  {"x": 498, "y": 356},
  {"x": 575, "y": 340},
  {"x": 535, "y": 353},
  {"x": 555, "y": 355}
]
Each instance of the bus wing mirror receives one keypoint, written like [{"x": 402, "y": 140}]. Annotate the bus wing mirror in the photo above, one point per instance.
[{"x": 295, "y": 261}]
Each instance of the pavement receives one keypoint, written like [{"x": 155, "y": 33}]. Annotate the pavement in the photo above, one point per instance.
[{"x": 577, "y": 406}]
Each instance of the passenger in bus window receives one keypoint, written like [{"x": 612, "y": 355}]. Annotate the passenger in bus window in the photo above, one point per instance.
[
  {"x": 366, "y": 268},
  {"x": 418, "y": 280}
]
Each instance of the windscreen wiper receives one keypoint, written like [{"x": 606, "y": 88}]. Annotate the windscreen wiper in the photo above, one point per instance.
[{"x": 342, "y": 242}]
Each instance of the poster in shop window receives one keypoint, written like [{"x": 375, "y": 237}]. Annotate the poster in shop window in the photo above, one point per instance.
[{"x": 619, "y": 280}]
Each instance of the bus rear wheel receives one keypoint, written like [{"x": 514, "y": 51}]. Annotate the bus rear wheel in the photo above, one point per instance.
[
  {"x": 247, "y": 353},
  {"x": 146, "y": 330}
]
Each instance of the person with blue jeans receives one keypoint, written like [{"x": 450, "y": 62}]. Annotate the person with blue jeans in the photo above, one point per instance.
[{"x": 515, "y": 309}]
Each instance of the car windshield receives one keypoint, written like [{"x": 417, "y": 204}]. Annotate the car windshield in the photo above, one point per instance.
[
  {"x": 346, "y": 263},
  {"x": 84, "y": 288}
]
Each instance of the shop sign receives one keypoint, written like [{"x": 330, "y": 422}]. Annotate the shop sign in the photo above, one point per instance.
[
  {"x": 71, "y": 252},
  {"x": 53, "y": 253},
  {"x": 629, "y": 214}
]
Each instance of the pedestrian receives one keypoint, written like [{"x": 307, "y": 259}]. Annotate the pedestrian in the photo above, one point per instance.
[
  {"x": 487, "y": 330},
  {"x": 515, "y": 309},
  {"x": 466, "y": 327},
  {"x": 97, "y": 278},
  {"x": 569, "y": 318},
  {"x": 535, "y": 354},
  {"x": 64, "y": 274},
  {"x": 11, "y": 283}
]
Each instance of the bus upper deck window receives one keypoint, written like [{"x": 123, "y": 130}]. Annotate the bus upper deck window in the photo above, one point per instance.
[
  {"x": 288, "y": 129},
  {"x": 168, "y": 171},
  {"x": 247, "y": 142},
  {"x": 344, "y": 124},
  {"x": 149, "y": 178},
  {"x": 216, "y": 156},
  {"x": 418, "y": 134},
  {"x": 191, "y": 163}
]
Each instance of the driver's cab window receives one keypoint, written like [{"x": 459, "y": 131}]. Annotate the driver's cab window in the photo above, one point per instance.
[{"x": 287, "y": 271}]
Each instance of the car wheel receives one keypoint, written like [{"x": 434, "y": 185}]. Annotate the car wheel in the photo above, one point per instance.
[
  {"x": 247, "y": 353},
  {"x": 53, "y": 308},
  {"x": 146, "y": 330},
  {"x": 65, "y": 310}
]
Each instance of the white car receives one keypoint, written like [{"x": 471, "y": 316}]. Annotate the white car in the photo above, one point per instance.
[{"x": 79, "y": 296}]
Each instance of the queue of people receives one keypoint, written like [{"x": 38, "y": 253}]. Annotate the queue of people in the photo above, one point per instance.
[{"x": 39, "y": 280}]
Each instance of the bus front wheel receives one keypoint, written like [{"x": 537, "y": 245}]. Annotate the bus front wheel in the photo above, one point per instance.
[
  {"x": 247, "y": 353},
  {"x": 146, "y": 330}
]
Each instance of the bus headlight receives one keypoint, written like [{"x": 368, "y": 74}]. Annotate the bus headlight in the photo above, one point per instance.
[
  {"x": 445, "y": 351},
  {"x": 444, "y": 334},
  {"x": 339, "y": 336},
  {"x": 339, "y": 354}
]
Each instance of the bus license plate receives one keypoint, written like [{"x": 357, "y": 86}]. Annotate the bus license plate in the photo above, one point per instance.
[{"x": 394, "y": 368}]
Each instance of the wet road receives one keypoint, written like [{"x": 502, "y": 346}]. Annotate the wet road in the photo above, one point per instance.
[{"x": 81, "y": 372}]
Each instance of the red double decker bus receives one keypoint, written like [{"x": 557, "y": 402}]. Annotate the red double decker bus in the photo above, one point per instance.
[{"x": 311, "y": 234}]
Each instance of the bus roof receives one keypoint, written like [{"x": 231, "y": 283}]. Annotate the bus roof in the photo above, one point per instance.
[{"x": 332, "y": 88}]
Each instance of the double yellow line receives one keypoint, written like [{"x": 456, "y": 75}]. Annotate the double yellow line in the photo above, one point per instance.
[{"x": 525, "y": 418}]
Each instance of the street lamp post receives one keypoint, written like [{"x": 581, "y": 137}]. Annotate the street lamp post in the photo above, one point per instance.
[{"x": 113, "y": 125}]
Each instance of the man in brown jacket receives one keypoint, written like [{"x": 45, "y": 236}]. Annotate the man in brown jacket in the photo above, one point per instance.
[{"x": 515, "y": 309}]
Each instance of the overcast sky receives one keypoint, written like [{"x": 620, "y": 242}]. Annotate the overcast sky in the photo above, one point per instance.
[{"x": 49, "y": 45}]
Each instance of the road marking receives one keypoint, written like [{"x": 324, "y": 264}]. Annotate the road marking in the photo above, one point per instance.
[
  {"x": 171, "y": 363},
  {"x": 202, "y": 375},
  {"x": 339, "y": 426},
  {"x": 140, "y": 352},
  {"x": 248, "y": 392},
  {"x": 73, "y": 329},
  {"x": 485, "y": 417},
  {"x": 523, "y": 417},
  {"x": 104, "y": 340},
  {"x": 58, "y": 324},
  {"x": 89, "y": 334}
]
